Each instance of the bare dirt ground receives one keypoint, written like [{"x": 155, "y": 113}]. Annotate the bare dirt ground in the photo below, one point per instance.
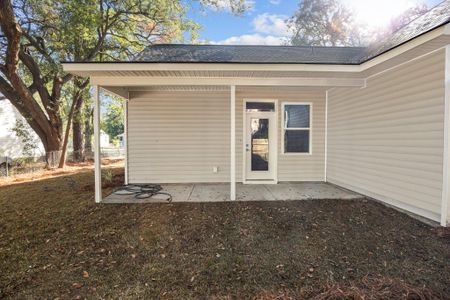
[{"x": 55, "y": 242}]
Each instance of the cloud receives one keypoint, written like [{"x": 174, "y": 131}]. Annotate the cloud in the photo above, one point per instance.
[
  {"x": 253, "y": 39},
  {"x": 275, "y": 2},
  {"x": 270, "y": 24},
  {"x": 268, "y": 29}
]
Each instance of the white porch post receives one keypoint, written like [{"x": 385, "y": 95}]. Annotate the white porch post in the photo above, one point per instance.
[
  {"x": 446, "y": 163},
  {"x": 233, "y": 143},
  {"x": 125, "y": 137},
  {"x": 325, "y": 178},
  {"x": 97, "y": 156}
]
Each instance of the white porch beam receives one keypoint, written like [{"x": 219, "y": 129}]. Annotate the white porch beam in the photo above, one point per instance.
[
  {"x": 97, "y": 154},
  {"x": 130, "y": 81},
  {"x": 446, "y": 163},
  {"x": 233, "y": 143}
]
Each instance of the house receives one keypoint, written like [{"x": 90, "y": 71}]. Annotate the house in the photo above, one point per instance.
[
  {"x": 104, "y": 139},
  {"x": 370, "y": 119},
  {"x": 10, "y": 144},
  {"x": 121, "y": 140}
]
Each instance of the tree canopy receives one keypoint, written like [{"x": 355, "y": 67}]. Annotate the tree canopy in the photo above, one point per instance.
[
  {"x": 36, "y": 35},
  {"x": 331, "y": 23},
  {"x": 113, "y": 118},
  {"x": 323, "y": 23}
]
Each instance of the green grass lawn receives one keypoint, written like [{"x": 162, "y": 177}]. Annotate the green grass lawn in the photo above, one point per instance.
[{"x": 56, "y": 242}]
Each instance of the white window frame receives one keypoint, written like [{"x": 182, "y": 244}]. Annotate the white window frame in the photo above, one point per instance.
[{"x": 284, "y": 128}]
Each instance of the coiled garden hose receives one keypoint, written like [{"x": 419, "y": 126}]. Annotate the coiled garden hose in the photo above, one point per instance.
[{"x": 143, "y": 191}]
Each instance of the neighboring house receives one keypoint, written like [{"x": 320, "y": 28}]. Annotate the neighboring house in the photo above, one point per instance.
[
  {"x": 10, "y": 144},
  {"x": 121, "y": 140},
  {"x": 104, "y": 139},
  {"x": 373, "y": 120}
]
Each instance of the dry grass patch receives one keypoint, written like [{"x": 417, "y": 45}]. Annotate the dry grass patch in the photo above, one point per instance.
[
  {"x": 56, "y": 242},
  {"x": 69, "y": 169}
]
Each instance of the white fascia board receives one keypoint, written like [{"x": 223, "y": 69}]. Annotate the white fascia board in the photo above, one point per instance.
[
  {"x": 135, "y": 66},
  {"x": 447, "y": 29},
  {"x": 239, "y": 81}
]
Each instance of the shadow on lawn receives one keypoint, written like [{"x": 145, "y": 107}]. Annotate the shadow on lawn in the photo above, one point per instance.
[{"x": 56, "y": 242}]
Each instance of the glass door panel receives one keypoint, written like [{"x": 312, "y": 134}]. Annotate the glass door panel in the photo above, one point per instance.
[{"x": 259, "y": 144}]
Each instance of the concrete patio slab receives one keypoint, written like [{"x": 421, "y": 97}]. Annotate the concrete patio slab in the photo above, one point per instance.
[
  {"x": 252, "y": 192},
  {"x": 219, "y": 192},
  {"x": 309, "y": 190},
  {"x": 213, "y": 191}
]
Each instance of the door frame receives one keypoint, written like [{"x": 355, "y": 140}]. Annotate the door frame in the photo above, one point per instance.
[{"x": 274, "y": 141}]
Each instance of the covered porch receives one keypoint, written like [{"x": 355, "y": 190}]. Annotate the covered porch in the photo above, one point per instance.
[
  {"x": 216, "y": 164},
  {"x": 221, "y": 158}
]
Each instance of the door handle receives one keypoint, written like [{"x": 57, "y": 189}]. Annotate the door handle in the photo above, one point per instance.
[{"x": 247, "y": 147}]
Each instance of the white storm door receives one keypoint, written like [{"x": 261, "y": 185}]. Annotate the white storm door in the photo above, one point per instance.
[{"x": 260, "y": 146}]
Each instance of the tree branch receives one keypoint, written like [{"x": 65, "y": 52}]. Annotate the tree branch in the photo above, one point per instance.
[{"x": 38, "y": 82}]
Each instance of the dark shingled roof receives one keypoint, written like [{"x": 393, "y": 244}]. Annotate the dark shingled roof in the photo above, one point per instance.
[
  {"x": 436, "y": 17},
  {"x": 173, "y": 53},
  {"x": 176, "y": 53}
]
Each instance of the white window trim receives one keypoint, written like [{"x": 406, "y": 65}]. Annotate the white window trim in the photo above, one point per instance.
[
  {"x": 265, "y": 100},
  {"x": 310, "y": 128}
]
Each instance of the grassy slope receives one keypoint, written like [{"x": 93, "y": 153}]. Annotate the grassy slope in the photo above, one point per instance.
[{"x": 56, "y": 242}]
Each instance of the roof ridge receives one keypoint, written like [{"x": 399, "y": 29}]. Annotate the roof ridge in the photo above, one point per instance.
[
  {"x": 274, "y": 46},
  {"x": 420, "y": 16}
]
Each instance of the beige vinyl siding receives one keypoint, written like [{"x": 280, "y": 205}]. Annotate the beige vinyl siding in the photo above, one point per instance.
[
  {"x": 181, "y": 136},
  {"x": 178, "y": 137},
  {"x": 386, "y": 140}
]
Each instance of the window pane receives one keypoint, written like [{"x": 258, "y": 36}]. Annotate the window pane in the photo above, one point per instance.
[
  {"x": 296, "y": 116},
  {"x": 296, "y": 141},
  {"x": 260, "y": 106},
  {"x": 260, "y": 144}
]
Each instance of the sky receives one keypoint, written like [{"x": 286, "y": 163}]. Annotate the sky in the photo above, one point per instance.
[{"x": 263, "y": 23}]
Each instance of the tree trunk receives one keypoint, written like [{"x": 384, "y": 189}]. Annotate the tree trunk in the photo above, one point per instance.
[
  {"x": 77, "y": 131},
  {"x": 62, "y": 160},
  {"x": 88, "y": 132},
  {"x": 52, "y": 153}
]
